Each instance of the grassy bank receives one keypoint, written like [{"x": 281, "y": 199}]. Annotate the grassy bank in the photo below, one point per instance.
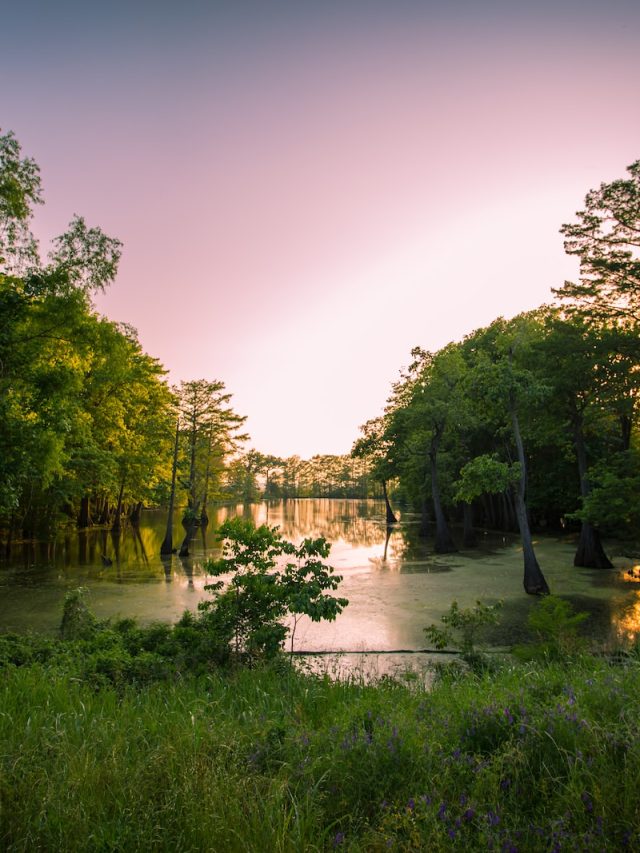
[{"x": 533, "y": 757}]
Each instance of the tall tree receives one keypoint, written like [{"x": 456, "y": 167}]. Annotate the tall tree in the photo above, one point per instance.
[
  {"x": 210, "y": 430},
  {"x": 504, "y": 385},
  {"x": 374, "y": 446},
  {"x": 606, "y": 239},
  {"x": 584, "y": 368}
]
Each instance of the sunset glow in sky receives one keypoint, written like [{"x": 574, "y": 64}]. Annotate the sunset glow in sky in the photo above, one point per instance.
[{"x": 305, "y": 191}]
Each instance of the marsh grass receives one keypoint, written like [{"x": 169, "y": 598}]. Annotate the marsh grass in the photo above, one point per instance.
[{"x": 531, "y": 757}]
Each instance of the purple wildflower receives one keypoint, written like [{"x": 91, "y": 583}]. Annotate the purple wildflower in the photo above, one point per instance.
[
  {"x": 586, "y": 799},
  {"x": 338, "y": 839}
]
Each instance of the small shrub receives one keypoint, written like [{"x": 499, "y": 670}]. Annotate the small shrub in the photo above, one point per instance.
[
  {"x": 78, "y": 622},
  {"x": 555, "y": 625},
  {"x": 462, "y": 626},
  {"x": 247, "y": 613}
]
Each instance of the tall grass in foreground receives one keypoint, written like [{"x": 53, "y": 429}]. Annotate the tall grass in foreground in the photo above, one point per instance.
[{"x": 531, "y": 758}]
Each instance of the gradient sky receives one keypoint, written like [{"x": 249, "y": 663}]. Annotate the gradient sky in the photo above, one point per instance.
[{"x": 305, "y": 191}]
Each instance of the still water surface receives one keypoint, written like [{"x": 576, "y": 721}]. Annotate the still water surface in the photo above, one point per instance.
[{"x": 395, "y": 584}]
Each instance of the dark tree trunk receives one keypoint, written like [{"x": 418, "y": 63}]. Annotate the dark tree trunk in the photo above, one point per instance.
[
  {"x": 390, "y": 517},
  {"x": 590, "y": 553},
  {"x": 444, "y": 543},
  {"x": 534, "y": 580},
  {"x": 105, "y": 514},
  {"x": 469, "y": 534},
  {"x": 204, "y": 518},
  {"x": 504, "y": 512},
  {"x": 191, "y": 526},
  {"x": 7, "y": 544},
  {"x": 118, "y": 513},
  {"x": 115, "y": 541},
  {"x": 485, "y": 500},
  {"x": 424, "y": 517},
  {"x": 84, "y": 518},
  {"x": 82, "y": 547},
  {"x": 626, "y": 424},
  {"x": 134, "y": 516},
  {"x": 191, "y": 499},
  {"x": 167, "y": 543}
]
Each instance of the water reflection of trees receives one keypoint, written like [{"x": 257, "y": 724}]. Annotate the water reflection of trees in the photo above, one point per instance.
[{"x": 357, "y": 522}]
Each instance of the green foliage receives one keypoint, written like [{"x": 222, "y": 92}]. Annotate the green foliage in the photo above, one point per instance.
[
  {"x": 485, "y": 475},
  {"x": 20, "y": 190},
  {"x": 287, "y": 762},
  {"x": 84, "y": 413},
  {"x": 86, "y": 257},
  {"x": 463, "y": 627},
  {"x": 209, "y": 432},
  {"x": 78, "y": 622},
  {"x": 556, "y": 627},
  {"x": 613, "y": 500},
  {"x": 261, "y": 591},
  {"x": 605, "y": 239}
]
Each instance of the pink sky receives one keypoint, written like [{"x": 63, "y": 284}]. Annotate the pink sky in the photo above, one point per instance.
[{"x": 302, "y": 204}]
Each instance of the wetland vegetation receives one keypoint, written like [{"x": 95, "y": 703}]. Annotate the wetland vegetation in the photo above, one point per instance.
[{"x": 196, "y": 732}]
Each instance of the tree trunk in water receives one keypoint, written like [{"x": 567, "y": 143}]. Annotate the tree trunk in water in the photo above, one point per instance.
[
  {"x": 7, "y": 546},
  {"x": 590, "y": 553},
  {"x": 534, "y": 580},
  {"x": 134, "y": 517},
  {"x": 191, "y": 499},
  {"x": 167, "y": 543},
  {"x": 116, "y": 520},
  {"x": 204, "y": 518},
  {"x": 504, "y": 512},
  {"x": 190, "y": 532},
  {"x": 391, "y": 519},
  {"x": 82, "y": 547},
  {"x": 444, "y": 543},
  {"x": 469, "y": 534},
  {"x": 424, "y": 517},
  {"x": 104, "y": 515},
  {"x": 84, "y": 518}
]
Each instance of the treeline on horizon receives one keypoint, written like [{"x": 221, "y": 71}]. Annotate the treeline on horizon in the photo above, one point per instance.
[{"x": 530, "y": 421}]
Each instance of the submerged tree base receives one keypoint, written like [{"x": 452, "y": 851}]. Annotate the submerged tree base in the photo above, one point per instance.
[
  {"x": 534, "y": 581},
  {"x": 590, "y": 553}
]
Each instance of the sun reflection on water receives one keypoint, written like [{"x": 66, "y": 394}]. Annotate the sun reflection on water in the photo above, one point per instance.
[{"x": 627, "y": 625}]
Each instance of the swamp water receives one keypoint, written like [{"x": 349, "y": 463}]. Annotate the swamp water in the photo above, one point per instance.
[{"x": 395, "y": 584}]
